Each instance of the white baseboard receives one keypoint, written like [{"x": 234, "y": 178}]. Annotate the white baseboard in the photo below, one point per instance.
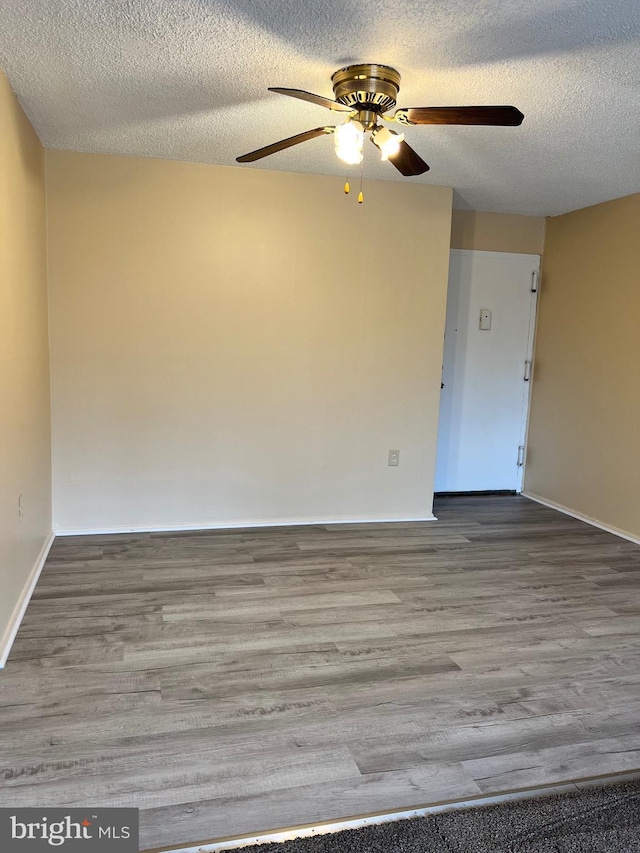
[
  {"x": 233, "y": 525},
  {"x": 25, "y": 597},
  {"x": 581, "y": 517}
]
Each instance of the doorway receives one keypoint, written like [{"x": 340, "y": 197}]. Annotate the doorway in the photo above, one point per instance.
[{"x": 488, "y": 345}]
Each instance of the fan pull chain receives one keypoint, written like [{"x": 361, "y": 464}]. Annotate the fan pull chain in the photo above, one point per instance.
[
  {"x": 347, "y": 188},
  {"x": 360, "y": 194}
]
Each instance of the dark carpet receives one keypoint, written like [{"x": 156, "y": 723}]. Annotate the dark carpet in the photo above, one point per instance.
[{"x": 603, "y": 819}]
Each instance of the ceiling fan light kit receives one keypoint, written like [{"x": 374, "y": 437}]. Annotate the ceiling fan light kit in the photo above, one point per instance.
[
  {"x": 365, "y": 93},
  {"x": 349, "y": 139},
  {"x": 388, "y": 141}
]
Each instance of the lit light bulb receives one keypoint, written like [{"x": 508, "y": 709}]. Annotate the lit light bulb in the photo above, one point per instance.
[
  {"x": 349, "y": 138},
  {"x": 388, "y": 141}
]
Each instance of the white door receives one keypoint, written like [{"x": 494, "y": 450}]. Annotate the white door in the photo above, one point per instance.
[{"x": 485, "y": 374}]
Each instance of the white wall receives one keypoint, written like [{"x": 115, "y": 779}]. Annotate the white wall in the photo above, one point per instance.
[
  {"x": 239, "y": 346},
  {"x": 25, "y": 424}
]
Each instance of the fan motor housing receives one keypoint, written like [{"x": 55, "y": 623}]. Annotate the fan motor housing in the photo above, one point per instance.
[{"x": 367, "y": 87}]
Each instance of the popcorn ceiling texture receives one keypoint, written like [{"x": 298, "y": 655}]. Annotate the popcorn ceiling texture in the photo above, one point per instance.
[{"x": 187, "y": 80}]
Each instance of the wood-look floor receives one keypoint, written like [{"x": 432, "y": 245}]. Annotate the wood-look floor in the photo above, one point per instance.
[{"x": 229, "y": 682}]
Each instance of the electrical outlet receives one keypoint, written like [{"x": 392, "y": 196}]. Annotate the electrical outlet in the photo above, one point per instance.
[
  {"x": 20, "y": 508},
  {"x": 394, "y": 458}
]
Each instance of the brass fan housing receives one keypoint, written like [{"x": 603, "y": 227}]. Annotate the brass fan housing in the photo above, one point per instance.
[{"x": 367, "y": 88}]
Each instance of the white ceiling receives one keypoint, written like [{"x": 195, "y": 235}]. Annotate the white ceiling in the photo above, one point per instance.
[{"x": 187, "y": 80}]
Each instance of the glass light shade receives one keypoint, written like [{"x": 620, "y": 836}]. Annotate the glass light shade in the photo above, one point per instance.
[
  {"x": 388, "y": 141},
  {"x": 349, "y": 138}
]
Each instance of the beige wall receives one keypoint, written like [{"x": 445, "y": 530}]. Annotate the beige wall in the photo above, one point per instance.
[
  {"x": 25, "y": 437},
  {"x": 585, "y": 415},
  {"x": 497, "y": 232},
  {"x": 236, "y": 345}
]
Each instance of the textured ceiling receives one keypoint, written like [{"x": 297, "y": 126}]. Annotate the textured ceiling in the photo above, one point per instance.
[{"x": 187, "y": 80}]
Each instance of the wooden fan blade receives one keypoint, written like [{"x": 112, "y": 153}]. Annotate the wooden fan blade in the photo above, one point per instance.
[
  {"x": 284, "y": 143},
  {"x": 313, "y": 99},
  {"x": 497, "y": 116},
  {"x": 408, "y": 162}
]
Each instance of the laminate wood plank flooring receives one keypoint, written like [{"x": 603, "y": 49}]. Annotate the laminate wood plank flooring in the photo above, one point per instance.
[{"x": 235, "y": 681}]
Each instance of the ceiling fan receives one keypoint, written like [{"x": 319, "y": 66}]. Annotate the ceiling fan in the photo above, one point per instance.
[{"x": 366, "y": 93}]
